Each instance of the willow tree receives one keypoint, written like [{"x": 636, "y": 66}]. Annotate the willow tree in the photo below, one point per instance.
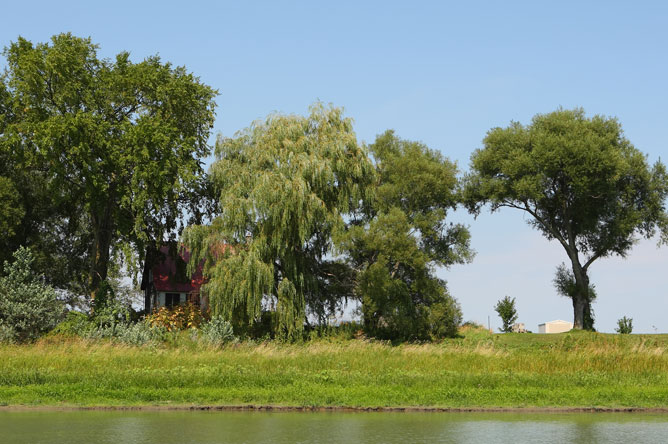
[
  {"x": 285, "y": 187},
  {"x": 581, "y": 181},
  {"x": 119, "y": 144}
]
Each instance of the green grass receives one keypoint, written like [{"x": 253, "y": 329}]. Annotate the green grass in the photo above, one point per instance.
[{"x": 478, "y": 370}]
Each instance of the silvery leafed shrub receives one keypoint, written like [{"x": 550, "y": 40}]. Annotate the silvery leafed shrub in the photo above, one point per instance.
[
  {"x": 132, "y": 334},
  {"x": 217, "y": 331},
  {"x": 7, "y": 334},
  {"x": 28, "y": 307}
]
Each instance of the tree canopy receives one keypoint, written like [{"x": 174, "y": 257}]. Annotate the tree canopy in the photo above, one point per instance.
[
  {"x": 285, "y": 185},
  {"x": 401, "y": 236},
  {"x": 117, "y": 146},
  {"x": 583, "y": 183}
]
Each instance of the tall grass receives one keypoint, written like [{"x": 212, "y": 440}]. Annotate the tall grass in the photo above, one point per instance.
[{"x": 475, "y": 370}]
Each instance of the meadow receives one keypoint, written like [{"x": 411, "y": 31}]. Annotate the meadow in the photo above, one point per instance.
[{"x": 478, "y": 369}]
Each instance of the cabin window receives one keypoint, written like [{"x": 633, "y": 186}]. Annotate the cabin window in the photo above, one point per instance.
[{"x": 172, "y": 299}]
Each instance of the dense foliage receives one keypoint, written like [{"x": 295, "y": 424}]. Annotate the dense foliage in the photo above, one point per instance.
[
  {"x": 624, "y": 326},
  {"x": 285, "y": 186},
  {"x": 28, "y": 307},
  {"x": 581, "y": 181},
  {"x": 506, "y": 310},
  {"x": 399, "y": 238},
  {"x": 116, "y": 147}
]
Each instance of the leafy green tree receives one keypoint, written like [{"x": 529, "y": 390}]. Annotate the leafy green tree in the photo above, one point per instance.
[
  {"x": 399, "y": 238},
  {"x": 27, "y": 306},
  {"x": 285, "y": 187},
  {"x": 507, "y": 312},
  {"x": 624, "y": 326},
  {"x": 581, "y": 181},
  {"x": 119, "y": 144}
]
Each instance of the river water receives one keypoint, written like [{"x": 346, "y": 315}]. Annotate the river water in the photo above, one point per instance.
[{"x": 184, "y": 427}]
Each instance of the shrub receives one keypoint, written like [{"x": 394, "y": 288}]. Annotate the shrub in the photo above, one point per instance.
[
  {"x": 217, "y": 331},
  {"x": 111, "y": 307},
  {"x": 507, "y": 312},
  {"x": 27, "y": 306},
  {"x": 178, "y": 318},
  {"x": 445, "y": 318},
  {"x": 624, "y": 326},
  {"x": 74, "y": 324},
  {"x": 7, "y": 334},
  {"x": 135, "y": 334}
]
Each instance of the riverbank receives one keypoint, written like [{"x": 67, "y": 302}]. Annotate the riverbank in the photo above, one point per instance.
[{"x": 478, "y": 371}]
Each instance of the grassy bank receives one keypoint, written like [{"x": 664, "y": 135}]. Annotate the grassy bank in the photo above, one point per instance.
[{"x": 478, "y": 370}]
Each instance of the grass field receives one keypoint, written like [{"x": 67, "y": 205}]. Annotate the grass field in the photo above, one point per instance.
[{"x": 577, "y": 369}]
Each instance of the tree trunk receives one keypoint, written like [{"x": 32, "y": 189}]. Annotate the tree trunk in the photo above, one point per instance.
[
  {"x": 102, "y": 230},
  {"x": 581, "y": 303}
]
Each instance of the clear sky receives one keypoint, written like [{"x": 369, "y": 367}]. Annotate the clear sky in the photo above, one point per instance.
[{"x": 440, "y": 72}]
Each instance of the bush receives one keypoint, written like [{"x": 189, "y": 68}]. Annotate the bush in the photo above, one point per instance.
[
  {"x": 624, "y": 326},
  {"x": 178, "y": 318},
  {"x": 135, "y": 334},
  {"x": 27, "y": 306},
  {"x": 74, "y": 324},
  {"x": 217, "y": 331},
  {"x": 110, "y": 308},
  {"x": 7, "y": 334}
]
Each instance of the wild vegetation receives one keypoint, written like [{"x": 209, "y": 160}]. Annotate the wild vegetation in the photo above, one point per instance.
[{"x": 477, "y": 369}]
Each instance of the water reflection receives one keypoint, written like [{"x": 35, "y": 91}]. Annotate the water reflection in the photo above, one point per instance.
[{"x": 79, "y": 427}]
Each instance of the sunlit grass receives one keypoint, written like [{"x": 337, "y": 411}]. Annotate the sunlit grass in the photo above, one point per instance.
[{"x": 476, "y": 370}]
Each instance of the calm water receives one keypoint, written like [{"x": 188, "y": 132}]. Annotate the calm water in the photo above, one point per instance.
[{"x": 85, "y": 427}]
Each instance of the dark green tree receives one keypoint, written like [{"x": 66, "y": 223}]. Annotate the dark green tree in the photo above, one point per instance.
[
  {"x": 285, "y": 186},
  {"x": 399, "y": 238},
  {"x": 117, "y": 145},
  {"x": 507, "y": 312},
  {"x": 581, "y": 181}
]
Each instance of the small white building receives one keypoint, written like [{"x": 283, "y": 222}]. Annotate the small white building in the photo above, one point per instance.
[
  {"x": 557, "y": 326},
  {"x": 519, "y": 328}
]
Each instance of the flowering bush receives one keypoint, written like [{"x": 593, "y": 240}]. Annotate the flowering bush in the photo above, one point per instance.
[{"x": 178, "y": 318}]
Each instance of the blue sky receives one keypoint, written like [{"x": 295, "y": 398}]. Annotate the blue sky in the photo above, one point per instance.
[{"x": 440, "y": 72}]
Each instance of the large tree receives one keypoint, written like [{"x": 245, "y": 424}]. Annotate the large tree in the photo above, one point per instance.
[
  {"x": 581, "y": 181},
  {"x": 286, "y": 185},
  {"x": 117, "y": 145},
  {"x": 399, "y": 238}
]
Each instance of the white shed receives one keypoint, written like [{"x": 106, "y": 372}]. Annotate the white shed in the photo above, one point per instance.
[{"x": 557, "y": 326}]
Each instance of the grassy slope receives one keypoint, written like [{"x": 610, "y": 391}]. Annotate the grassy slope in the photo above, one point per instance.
[{"x": 479, "y": 370}]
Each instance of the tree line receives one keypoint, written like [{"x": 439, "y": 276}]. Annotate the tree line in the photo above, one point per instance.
[{"x": 101, "y": 161}]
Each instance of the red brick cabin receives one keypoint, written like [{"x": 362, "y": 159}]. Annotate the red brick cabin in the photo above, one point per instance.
[{"x": 167, "y": 284}]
